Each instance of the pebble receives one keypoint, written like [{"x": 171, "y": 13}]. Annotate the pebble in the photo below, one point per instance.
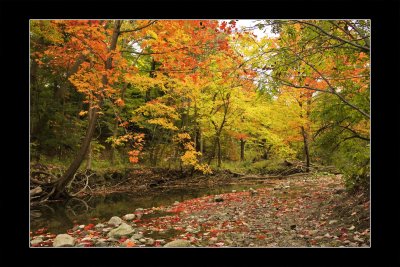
[
  {"x": 36, "y": 241},
  {"x": 333, "y": 221},
  {"x": 358, "y": 239},
  {"x": 115, "y": 220},
  {"x": 129, "y": 217},
  {"x": 313, "y": 232},
  {"x": 99, "y": 225},
  {"x": 137, "y": 236},
  {"x": 150, "y": 241}
]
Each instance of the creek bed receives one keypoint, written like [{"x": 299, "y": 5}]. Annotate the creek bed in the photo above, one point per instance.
[{"x": 59, "y": 217}]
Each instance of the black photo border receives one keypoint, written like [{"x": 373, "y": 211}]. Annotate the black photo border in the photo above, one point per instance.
[{"x": 385, "y": 148}]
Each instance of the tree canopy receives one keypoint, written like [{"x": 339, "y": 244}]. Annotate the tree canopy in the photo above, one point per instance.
[{"x": 200, "y": 94}]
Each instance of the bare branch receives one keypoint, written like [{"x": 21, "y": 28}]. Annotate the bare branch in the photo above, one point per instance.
[
  {"x": 139, "y": 28},
  {"x": 363, "y": 48}
]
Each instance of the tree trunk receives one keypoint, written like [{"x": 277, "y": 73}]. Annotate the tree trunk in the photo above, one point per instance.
[
  {"x": 201, "y": 145},
  {"x": 197, "y": 139},
  {"x": 306, "y": 149},
  {"x": 69, "y": 174},
  {"x": 89, "y": 153},
  {"x": 148, "y": 91},
  {"x": 212, "y": 154},
  {"x": 219, "y": 152},
  {"x": 242, "y": 142},
  {"x": 112, "y": 152},
  {"x": 89, "y": 158}
]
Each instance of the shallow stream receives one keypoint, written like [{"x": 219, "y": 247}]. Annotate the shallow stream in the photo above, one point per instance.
[{"x": 59, "y": 217}]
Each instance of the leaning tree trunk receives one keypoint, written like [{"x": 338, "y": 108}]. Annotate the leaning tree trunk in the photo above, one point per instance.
[{"x": 69, "y": 174}]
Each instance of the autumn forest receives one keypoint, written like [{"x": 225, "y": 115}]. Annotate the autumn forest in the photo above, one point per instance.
[{"x": 199, "y": 133}]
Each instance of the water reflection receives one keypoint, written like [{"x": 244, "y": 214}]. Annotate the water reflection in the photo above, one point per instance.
[{"x": 59, "y": 217}]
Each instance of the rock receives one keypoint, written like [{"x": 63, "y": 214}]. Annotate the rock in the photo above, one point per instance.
[
  {"x": 36, "y": 241},
  {"x": 108, "y": 229},
  {"x": 122, "y": 230},
  {"x": 218, "y": 199},
  {"x": 99, "y": 225},
  {"x": 356, "y": 238},
  {"x": 233, "y": 191},
  {"x": 352, "y": 227},
  {"x": 86, "y": 239},
  {"x": 176, "y": 202},
  {"x": 177, "y": 243},
  {"x": 137, "y": 236},
  {"x": 142, "y": 240},
  {"x": 333, "y": 221},
  {"x": 81, "y": 226},
  {"x": 327, "y": 235},
  {"x": 139, "y": 209},
  {"x": 115, "y": 221},
  {"x": 64, "y": 240},
  {"x": 150, "y": 242},
  {"x": 128, "y": 217}
]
